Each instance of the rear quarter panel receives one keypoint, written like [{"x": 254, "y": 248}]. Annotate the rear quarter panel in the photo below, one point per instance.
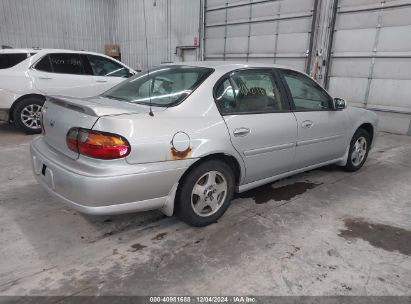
[
  {"x": 17, "y": 79},
  {"x": 151, "y": 137},
  {"x": 14, "y": 84}
]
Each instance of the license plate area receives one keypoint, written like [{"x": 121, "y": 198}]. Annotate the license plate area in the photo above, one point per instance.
[
  {"x": 44, "y": 173},
  {"x": 43, "y": 170}
]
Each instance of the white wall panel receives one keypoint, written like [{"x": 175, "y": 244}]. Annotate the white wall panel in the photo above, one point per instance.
[
  {"x": 392, "y": 68},
  {"x": 361, "y": 20},
  {"x": 351, "y": 67},
  {"x": 390, "y": 94},
  {"x": 261, "y": 45},
  {"x": 298, "y": 63},
  {"x": 259, "y": 30},
  {"x": 293, "y": 44},
  {"x": 395, "y": 39},
  {"x": 265, "y": 9},
  {"x": 397, "y": 16},
  {"x": 236, "y": 45},
  {"x": 299, "y": 25},
  {"x": 371, "y": 60},
  {"x": 351, "y": 88},
  {"x": 356, "y": 40}
]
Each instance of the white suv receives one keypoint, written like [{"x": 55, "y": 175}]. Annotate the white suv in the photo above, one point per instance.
[{"x": 28, "y": 75}]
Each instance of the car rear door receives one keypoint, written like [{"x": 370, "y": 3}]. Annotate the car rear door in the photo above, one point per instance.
[
  {"x": 62, "y": 74},
  {"x": 261, "y": 126},
  {"x": 105, "y": 73},
  {"x": 322, "y": 131}
]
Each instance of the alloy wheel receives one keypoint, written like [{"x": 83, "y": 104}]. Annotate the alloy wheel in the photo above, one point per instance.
[
  {"x": 209, "y": 193},
  {"x": 30, "y": 116},
  {"x": 359, "y": 151}
]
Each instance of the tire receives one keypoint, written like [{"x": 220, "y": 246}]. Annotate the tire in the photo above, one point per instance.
[
  {"x": 205, "y": 193},
  {"x": 359, "y": 148},
  {"x": 26, "y": 114}
]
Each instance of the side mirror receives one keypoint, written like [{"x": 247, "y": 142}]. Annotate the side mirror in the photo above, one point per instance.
[{"x": 340, "y": 104}]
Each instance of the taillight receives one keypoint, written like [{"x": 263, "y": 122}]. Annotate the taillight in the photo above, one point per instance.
[
  {"x": 97, "y": 144},
  {"x": 71, "y": 139}
]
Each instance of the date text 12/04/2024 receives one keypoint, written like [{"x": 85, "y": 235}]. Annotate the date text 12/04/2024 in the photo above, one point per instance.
[{"x": 204, "y": 299}]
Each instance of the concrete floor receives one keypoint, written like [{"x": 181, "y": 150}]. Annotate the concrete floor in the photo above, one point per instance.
[{"x": 325, "y": 232}]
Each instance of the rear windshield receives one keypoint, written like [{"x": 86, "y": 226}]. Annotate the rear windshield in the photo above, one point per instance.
[
  {"x": 11, "y": 59},
  {"x": 165, "y": 86}
]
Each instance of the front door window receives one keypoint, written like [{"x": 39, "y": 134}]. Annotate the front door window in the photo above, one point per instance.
[{"x": 306, "y": 93}]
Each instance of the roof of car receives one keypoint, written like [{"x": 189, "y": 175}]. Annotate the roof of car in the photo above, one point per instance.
[
  {"x": 7, "y": 51},
  {"x": 36, "y": 50},
  {"x": 234, "y": 64}
]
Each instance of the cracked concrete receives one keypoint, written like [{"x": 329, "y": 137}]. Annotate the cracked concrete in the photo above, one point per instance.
[{"x": 290, "y": 243}]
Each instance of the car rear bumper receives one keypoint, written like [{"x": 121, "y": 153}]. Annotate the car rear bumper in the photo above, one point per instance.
[
  {"x": 7, "y": 98},
  {"x": 98, "y": 190},
  {"x": 4, "y": 115}
]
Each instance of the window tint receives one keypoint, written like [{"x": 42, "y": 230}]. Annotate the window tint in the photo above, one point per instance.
[
  {"x": 44, "y": 64},
  {"x": 105, "y": 67},
  {"x": 10, "y": 60},
  {"x": 254, "y": 91},
  {"x": 165, "y": 86},
  {"x": 306, "y": 93},
  {"x": 66, "y": 63}
]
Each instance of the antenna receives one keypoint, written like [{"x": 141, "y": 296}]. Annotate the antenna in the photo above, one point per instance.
[{"x": 148, "y": 69}]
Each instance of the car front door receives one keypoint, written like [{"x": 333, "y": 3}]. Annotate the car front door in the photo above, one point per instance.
[
  {"x": 261, "y": 126},
  {"x": 62, "y": 74},
  {"x": 105, "y": 73},
  {"x": 322, "y": 130}
]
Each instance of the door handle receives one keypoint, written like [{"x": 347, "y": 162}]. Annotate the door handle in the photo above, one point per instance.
[
  {"x": 241, "y": 132},
  {"x": 307, "y": 124},
  {"x": 45, "y": 77},
  {"x": 101, "y": 81}
]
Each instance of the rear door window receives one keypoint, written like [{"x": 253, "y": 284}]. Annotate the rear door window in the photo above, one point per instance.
[
  {"x": 249, "y": 91},
  {"x": 44, "y": 64},
  {"x": 101, "y": 66},
  {"x": 11, "y": 59},
  {"x": 66, "y": 63}
]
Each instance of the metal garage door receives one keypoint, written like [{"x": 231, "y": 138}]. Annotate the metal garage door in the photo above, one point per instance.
[
  {"x": 259, "y": 30},
  {"x": 371, "y": 58}
]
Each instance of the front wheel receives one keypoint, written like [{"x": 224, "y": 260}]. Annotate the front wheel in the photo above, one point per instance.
[
  {"x": 359, "y": 148},
  {"x": 205, "y": 193},
  {"x": 27, "y": 113}
]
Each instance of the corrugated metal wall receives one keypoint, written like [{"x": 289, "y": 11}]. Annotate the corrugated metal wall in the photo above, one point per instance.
[
  {"x": 130, "y": 31},
  {"x": 169, "y": 24},
  {"x": 371, "y": 59},
  {"x": 90, "y": 24},
  {"x": 65, "y": 24},
  {"x": 259, "y": 30}
]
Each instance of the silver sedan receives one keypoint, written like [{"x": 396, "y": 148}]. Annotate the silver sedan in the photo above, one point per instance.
[{"x": 185, "y": 138}]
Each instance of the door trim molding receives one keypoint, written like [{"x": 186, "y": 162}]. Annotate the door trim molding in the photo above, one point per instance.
[
  {"x": 268, "y": 149},
  {"x": 318, "y": 140}
]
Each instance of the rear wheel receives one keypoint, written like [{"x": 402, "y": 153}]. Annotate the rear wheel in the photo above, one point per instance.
[
  {"x": 359, "y": 148},
  {"x": 205, "y": 193},
  {"x": 26, "y": 114}
]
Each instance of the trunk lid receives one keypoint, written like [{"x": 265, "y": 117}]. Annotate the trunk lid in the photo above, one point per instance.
[{"x": 60, "y": 114}]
